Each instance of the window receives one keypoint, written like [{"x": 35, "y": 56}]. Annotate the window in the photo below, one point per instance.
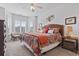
[
  {"x": 19, "y": 23},
  {"x": 20, "y": 26},
  {"x": 31, "y": 26},
  {"x": 23, "y": 26},
  {"x": 33, "y": 23},
  {"x": 17, "y": 26}
]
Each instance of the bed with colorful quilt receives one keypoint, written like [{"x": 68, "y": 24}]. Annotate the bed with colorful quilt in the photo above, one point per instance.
[{"x": 40, "y": 42}]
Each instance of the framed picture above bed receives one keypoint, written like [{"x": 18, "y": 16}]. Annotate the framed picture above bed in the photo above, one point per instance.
[{"x": 70, "y": 20}]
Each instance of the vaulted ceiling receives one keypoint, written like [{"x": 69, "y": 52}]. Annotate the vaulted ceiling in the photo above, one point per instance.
[{"x": 24, "y": 8}]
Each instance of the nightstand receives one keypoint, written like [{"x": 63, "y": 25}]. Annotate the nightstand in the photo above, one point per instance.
[{"x": 70, "y": 43}]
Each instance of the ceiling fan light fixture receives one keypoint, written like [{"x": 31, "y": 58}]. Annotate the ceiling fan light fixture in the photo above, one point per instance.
[{"x": 33, "y": 8}]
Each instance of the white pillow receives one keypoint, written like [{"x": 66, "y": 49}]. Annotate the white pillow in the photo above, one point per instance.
[{"x": 50, "y": 31}]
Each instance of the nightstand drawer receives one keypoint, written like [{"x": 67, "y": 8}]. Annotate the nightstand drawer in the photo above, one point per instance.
[{"x": 70, "y": 43}]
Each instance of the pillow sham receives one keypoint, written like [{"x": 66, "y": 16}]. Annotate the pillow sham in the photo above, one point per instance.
[{"x": 56, "y": 30}]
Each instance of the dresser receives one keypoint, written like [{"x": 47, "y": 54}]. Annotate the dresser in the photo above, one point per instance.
[{"x": 1, "y": 37}]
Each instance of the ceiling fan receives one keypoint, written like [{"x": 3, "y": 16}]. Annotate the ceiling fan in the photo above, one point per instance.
[{"x": 34, "y": 7}]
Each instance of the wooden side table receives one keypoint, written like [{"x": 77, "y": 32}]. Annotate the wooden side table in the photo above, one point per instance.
[{"x": 70, "y": 43}]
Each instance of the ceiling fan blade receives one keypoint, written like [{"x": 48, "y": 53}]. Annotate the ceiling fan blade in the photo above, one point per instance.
[{"x": 36, "y": 6}]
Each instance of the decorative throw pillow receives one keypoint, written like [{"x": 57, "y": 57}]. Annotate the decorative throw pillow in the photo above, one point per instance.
[
  {"x": 50, "y": 31},
  {"x": 45, "y": 30}
]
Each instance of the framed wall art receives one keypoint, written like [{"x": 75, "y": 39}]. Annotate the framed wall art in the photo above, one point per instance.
[{"x": 70, "y": 20}]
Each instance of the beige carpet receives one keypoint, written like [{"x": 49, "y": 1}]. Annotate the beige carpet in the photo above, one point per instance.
[{"x": 15, "y": 48}]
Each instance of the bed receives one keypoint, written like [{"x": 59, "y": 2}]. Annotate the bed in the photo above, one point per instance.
[{"x": 38, "y": 43}]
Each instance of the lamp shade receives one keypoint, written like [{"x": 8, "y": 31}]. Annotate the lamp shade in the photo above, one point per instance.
[{"x": 69, "y": 29}]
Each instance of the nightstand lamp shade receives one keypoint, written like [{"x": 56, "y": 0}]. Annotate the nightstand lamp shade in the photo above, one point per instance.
[{"x": 69, "y": 30}]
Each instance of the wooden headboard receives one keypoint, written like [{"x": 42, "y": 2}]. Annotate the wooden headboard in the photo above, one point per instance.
[{"x": 61, "y": 27}]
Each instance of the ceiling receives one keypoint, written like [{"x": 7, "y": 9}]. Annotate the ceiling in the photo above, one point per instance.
[{"x": 25, "y": 7}]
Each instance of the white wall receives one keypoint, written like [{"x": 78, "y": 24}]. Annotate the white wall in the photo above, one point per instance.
[{"x": 2, "y": 13}]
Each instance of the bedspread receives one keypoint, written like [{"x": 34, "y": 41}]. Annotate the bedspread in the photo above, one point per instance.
[{"x": 39, "y": 40}]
